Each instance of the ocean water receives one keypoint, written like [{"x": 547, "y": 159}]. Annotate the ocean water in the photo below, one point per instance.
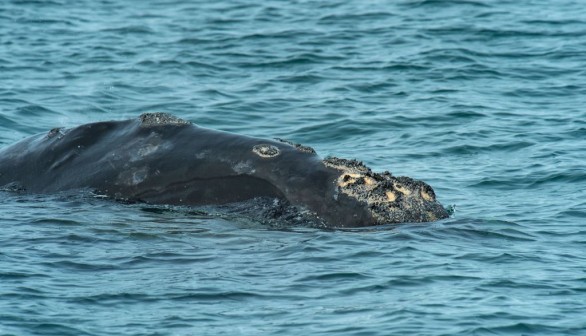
[{"x": 484, "y": 100}]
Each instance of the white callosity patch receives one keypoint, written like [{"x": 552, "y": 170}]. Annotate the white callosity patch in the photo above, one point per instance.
[
  {"x": 161, "y": 119},
  {"x": 299, "y": 147},
  {"x": 266, "y": 151},
  {"x": 390, "y": 199}
]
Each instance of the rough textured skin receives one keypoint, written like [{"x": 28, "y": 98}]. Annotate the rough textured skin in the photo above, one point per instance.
[
  {"x": 390, "y": 199},
  {"x": 159, "y": 118},
  {"x": 161, "y": 159}
]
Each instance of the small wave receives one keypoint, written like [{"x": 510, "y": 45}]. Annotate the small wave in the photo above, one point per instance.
[
  {"x": 532, "y": 180},
  {"x": 296, "y": 60},
  {"x": 57, "y": 329},
  {"x": 60, "y": 222},
  {"x": 443, "y": 3},
  {"x": 33, "y": 110},
  {"x": 355, "y": 17},
  {"x": 79, "y": 266},
  {"x": 477, "y": 149},
  {"x": 517, "y": 328},
  {"x": 477, "y": 230},
  {"x": 20, "y": 276},
  {"x": 574, "y": 213},
  {"x": 174, "y": 259},
  {"x": 130, "y": 30},
  {"x": 336, "y": 277}
]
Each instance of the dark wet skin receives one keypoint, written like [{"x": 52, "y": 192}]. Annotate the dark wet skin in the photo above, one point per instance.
[{"x": 160, "y": 159}]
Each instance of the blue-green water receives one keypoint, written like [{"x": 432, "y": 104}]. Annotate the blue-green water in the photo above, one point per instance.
[{"x": 484, "y": 100}]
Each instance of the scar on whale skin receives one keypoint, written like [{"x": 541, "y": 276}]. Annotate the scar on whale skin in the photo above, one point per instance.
[{"x": 266, "y": 151}]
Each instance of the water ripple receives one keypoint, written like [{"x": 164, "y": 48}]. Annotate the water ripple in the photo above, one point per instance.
[{"x": 482, "y": 100}]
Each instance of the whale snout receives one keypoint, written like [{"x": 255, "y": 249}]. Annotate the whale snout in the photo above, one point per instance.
[{"x": 389, "y": 199}]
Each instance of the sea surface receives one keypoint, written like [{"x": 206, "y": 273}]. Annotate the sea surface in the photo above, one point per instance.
[{"x": 483, "y": 100}]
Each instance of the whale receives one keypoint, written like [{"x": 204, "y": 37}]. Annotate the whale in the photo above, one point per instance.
[{"x": 158, "y": 158}]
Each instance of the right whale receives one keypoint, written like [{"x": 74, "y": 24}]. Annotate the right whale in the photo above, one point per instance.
[{"x": 161, "y": 159}]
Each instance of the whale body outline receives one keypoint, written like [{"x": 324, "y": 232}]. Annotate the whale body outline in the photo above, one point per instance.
[{"x": 161, "y": 159}]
